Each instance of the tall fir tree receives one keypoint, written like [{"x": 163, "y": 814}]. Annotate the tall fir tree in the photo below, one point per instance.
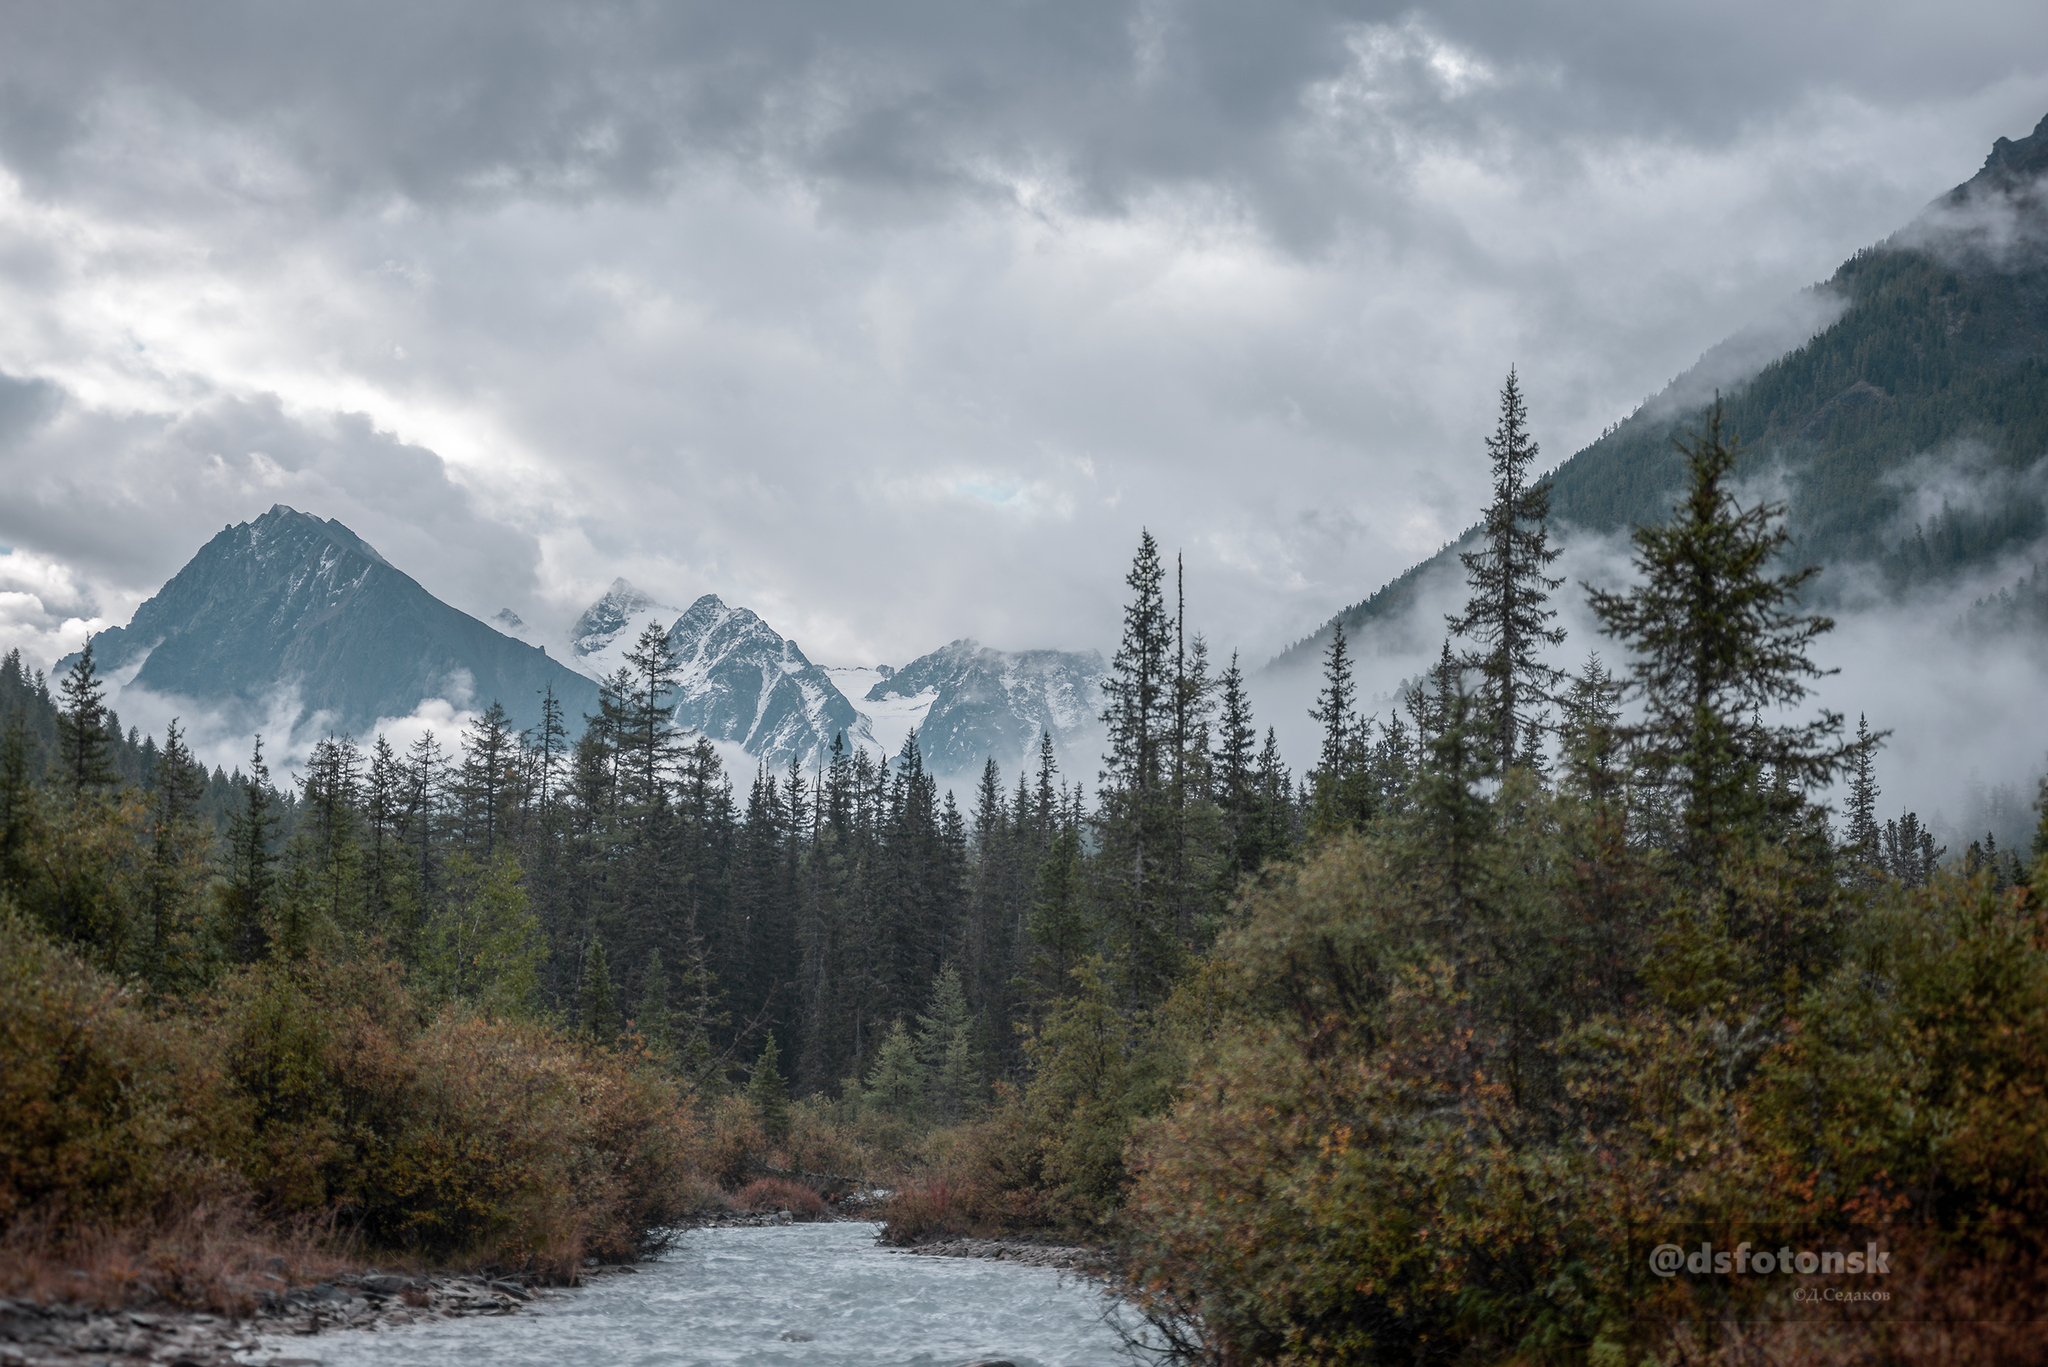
[
  {"x": 174, "y": 953},
  {"x": 1864, "y": 838},
  {"x": 770, "y": 1094},
  {"x": 596, "y": 999},
  {"x": 1717, "y": 641},
  {"x": 251, "y": 870},
  {"x": 82, "y": 739},
  {"x": 654, "y": 1020},
  {"x": 327, "y": 848},
  {"x": 1342, "y": 781},
  {"x": 487, "y": 782},
  {"x": 1508, "y": 617},
  {"x": 1136, "y": 808}
]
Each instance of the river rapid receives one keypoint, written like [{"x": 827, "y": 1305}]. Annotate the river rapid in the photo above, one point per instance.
[{"x": 823, "y": 1295}]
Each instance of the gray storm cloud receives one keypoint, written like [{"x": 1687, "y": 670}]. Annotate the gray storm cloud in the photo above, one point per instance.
[{"x": 896, "y": 322}]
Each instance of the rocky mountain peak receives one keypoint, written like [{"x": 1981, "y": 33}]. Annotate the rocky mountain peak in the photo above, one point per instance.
[
  {"x": 604, "y": 622},
  {"x": 2026, "y": 158},
  {"x": 292, "y": 620}
]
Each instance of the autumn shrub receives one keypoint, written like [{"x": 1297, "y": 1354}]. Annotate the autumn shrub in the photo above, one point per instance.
[
  {"x": 824, "y": 1140},
  {"x": 1382, "y": 1151},
  {"x": 106, "y": 1105},
  {"x": 318, "y": 1091},
  {"x": 733, "y": 1145},
  {"x": 981, "y": 1179},
  {"x": 779, "y": 1193},
  {"x": 319, "y": 1052},
  {"x": 1413, "y": 1131}
]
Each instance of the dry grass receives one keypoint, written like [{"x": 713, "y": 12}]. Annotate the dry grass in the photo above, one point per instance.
[{"x": 213, "y": 1256}]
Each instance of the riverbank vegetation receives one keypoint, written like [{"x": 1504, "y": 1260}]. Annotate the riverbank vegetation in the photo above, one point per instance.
[
  {"x": 1403, "y": 1061},
  {"x": 1565, "y": 966}
]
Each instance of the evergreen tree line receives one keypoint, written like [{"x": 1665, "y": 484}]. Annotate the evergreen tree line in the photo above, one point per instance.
[{"x": 850, "y": 920}]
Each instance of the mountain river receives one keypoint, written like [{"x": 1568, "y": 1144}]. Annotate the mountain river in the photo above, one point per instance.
[{"x": 823, "y": 1295}]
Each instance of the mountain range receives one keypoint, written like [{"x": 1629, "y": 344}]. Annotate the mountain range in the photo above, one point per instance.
[
  {"x": 1907, "y": 428},
  {"x": 295, "y": 624}
]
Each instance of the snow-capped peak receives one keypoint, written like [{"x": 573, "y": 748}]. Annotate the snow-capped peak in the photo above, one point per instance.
[{"x": 608, "y": 628}]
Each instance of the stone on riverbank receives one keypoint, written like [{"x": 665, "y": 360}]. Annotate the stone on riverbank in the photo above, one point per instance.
[{"x": 1067, "y": 1257}]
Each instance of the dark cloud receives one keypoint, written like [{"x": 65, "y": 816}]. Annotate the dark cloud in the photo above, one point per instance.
[{"x": 455, "y": 102}]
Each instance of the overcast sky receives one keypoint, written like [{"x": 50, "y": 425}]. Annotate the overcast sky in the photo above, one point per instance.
[{"x": 896, "y": 321}]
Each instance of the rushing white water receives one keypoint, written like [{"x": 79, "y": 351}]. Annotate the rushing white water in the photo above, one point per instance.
[{"x": 820, "y": 1295}]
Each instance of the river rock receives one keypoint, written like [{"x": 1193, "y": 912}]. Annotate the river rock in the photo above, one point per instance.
[
  {"x": 1063, "y": 1257},
  {"x": 385, "y": 1284}
]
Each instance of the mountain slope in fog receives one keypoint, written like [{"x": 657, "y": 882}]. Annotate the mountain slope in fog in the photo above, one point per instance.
[
  {"x": 1910, "y": 431},
  {"x": 292, "y": 606}
]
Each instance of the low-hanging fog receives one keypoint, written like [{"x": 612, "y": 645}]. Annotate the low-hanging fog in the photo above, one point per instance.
[{"x": 1968, "y": 741}]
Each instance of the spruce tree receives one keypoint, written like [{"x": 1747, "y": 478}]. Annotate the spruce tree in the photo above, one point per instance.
[
  {"x": 654, "y": 1020},
  {"x": 945, "y": 1048},
  {"x": 550, "y": 748},
  {"x": 172, "y": 956},
  {"x": 82, "y": 739},
  {"x": 1593, "y": 762},
  {"x": 1717, "y": 641},
  {"x": 391, "y": 906},
  {"x": 1910, "y": 854},
  {"x": 251, "y": 862},
  {"x": 1341, "y": 784},
  {"x": 1137, "y": 812},
  {"x": 1236, "y": 761},
  {"x": 770, "y": 1094},
  {"x": 1507, "y": 617},
  {"x": 1393, "y": 764},
  {"x": 1277, "y": 826},
  {"x": 425, "y": 811},
  {"x": 1044, "y": 815},
  {"x": 19, "y": 810},
  {"x": 1452, "y": 818},
  {"x": 897, "y": 1081},
  {"x": 1237, "y": 741},
  {"x": 1058, "y": 925},
  {"x": 328, "y": 843},
  {"x": 650, "y": 738},
  {"x": 486, "y": 784},
  {"x": 597, "y": 1007},
  {"x": 1864, "y": 837}
]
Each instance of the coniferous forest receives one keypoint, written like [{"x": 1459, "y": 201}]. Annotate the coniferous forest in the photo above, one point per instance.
[{"x": 1413, "y": 1059}]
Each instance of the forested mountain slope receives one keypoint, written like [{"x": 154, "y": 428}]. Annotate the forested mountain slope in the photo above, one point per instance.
[{"x": 1909, "y": 431}]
